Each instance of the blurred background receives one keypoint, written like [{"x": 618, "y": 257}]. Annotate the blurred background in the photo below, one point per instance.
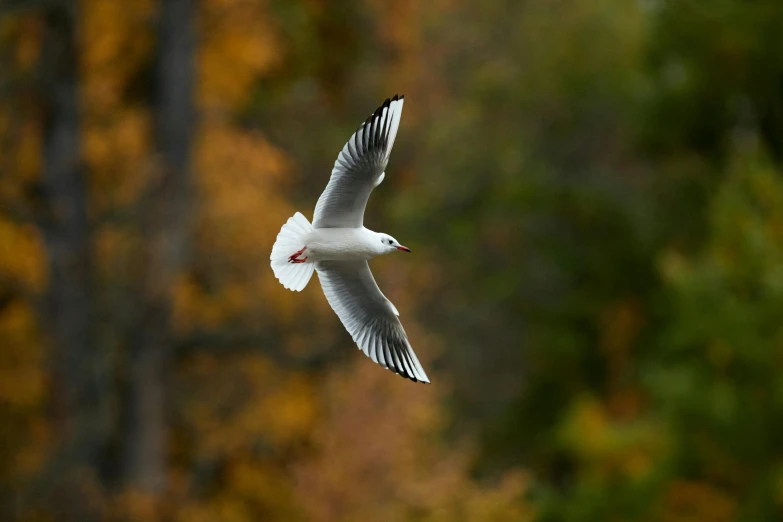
[{"x": 593, "y": 193}]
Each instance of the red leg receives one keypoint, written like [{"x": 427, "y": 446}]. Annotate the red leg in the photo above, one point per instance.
[
  {"x": 298, "y": 260},
  {"x": 292, "y": 257}
]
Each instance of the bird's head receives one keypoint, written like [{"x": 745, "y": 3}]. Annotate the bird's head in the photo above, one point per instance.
[{"x": 389, "y": 244}]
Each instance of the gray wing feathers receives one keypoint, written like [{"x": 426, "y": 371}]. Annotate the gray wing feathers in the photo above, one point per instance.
[
  {"x": 369, "y": 317},
  {"x": 359, "y": 168}
]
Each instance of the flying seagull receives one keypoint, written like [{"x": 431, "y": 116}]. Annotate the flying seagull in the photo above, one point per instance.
[{"x": 338, "y": 246}]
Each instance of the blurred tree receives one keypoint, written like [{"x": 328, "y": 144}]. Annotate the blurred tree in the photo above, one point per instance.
[
  {"x": 543, "y": 231},
  {"x": 79, "y": 401},
  {"x": 166, "y": 227},
  {"x": 395, "y": 466},
  {"x": 716, "y": 380}
]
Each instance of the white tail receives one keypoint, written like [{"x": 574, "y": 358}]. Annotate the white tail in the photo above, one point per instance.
[{"x": 293, "y": 276}]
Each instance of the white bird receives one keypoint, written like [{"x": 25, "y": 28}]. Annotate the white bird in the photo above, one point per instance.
[{"x": 338, "y": 246}]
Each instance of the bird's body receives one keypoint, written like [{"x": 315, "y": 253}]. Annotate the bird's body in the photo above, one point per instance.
[
  {"x": 338, "y": 246},
  {"x": 342, "y": 244}
]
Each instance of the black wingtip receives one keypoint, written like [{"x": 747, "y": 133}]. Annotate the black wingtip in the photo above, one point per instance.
[
  {"x": 395, "y": 98},
  {"x": 413, "y": 378}
]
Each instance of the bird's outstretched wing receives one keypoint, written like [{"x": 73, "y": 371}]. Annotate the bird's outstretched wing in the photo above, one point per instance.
[
  {"x": 369, "y": 317},
  {"x": 359, "y": 169}
]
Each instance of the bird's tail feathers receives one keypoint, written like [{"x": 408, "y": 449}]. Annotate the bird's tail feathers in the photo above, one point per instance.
[{"x": 290, "y": 240}]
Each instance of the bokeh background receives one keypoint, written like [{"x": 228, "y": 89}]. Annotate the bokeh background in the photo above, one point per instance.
[{"x": 593, "y": 193}]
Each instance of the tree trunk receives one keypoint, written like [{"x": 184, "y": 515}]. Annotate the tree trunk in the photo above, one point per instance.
[
  {"x": 77, "y": 380},
  {"x": 166, "y": 229}
]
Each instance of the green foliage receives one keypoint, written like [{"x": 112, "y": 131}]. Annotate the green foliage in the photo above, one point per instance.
[{"x": 716, "y": 379}]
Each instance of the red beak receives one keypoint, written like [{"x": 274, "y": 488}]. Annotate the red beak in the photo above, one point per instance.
[{"x": 403, "y": 248}]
